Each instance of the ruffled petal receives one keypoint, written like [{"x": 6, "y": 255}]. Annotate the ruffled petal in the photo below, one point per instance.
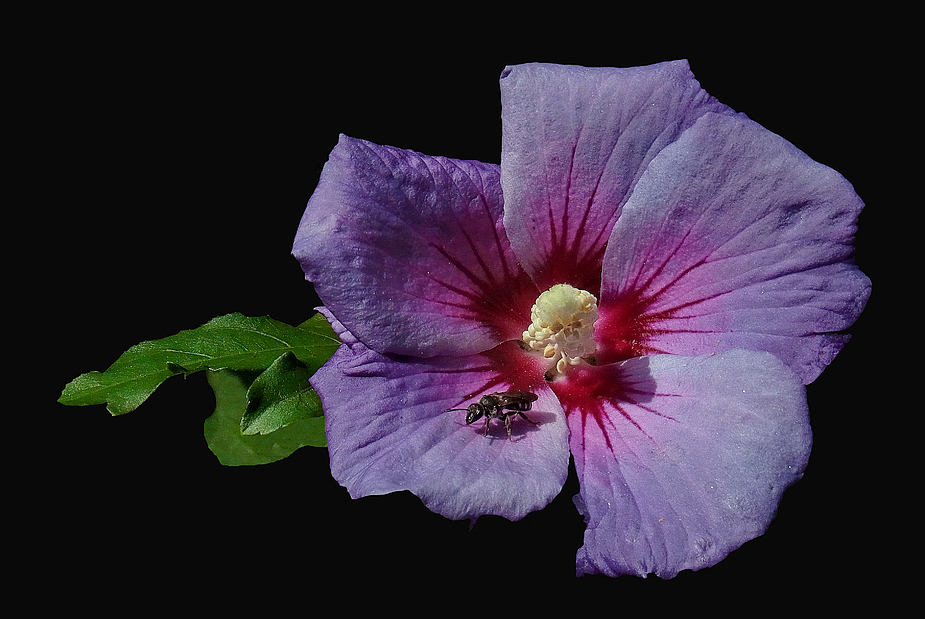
[
  {"x": 689, "y": 463},
  {"x": 409, "y": 251},
  {"x": 574, "y": 142},
  {"x": 387, "y": 430},
  {"x": 733, "y": 238}
]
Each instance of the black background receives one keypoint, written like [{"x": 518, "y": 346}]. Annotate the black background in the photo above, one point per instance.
[{"x": 174, "y": 155}]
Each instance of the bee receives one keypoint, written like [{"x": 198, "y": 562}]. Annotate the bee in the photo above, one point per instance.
[{"x": 501, "y": 406}]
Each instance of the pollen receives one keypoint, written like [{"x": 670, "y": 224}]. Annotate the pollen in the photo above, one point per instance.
[{"x": 562, "y": 327}]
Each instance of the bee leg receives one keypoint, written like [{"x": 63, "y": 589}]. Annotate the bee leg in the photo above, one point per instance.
[
  {"x": 507, "y": 425},
  {"x": 487, "y": 421},
  {"x": 536, "y": 423}
]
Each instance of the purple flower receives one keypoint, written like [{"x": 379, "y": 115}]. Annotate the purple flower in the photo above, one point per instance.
[{"x": 663, "y": 273}]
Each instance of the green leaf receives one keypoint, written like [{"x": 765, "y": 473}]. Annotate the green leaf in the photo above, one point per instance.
[
  {"x": 235, "y": 342},
  {"x": 319, "y": 326},
  {"x": 223, "y": 428},
  {"x": 280, "y": 396}
]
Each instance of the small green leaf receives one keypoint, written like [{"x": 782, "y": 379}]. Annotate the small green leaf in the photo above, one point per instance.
[
  {"x": 223, "y": 428},
  {"x": 280, "y": 396},
  {"x": 319, "y": 325},
  {"x": 234, "y": 342}
]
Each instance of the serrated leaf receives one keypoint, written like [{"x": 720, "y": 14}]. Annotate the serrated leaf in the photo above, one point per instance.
[
  {"x": 233, "y": 341},
  {"x": 280, "y": 396},
  {"x": 223, "y": 428}
]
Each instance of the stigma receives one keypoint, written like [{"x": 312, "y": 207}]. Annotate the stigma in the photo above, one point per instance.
[{"x": 562, "y": 326}]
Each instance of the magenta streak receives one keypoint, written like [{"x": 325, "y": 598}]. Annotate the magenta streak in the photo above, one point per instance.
[{"x": 507, "y": 365}]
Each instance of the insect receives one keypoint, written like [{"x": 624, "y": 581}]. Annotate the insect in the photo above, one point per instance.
[{"x": 501, "y": 406}]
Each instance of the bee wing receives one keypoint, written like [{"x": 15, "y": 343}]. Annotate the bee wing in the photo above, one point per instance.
[
  {"x": 519, "y": 395},
  {"x": 508, "y": 398}
]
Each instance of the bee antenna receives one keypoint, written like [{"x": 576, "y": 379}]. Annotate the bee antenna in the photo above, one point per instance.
[{"x": 455, "y": 409}]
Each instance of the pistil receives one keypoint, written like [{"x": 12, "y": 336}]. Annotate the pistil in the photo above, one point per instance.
[{"x": 562, "y": 326}]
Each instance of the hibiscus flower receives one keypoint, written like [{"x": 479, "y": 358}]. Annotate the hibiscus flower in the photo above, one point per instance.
[{"x": 663, "y": 274}]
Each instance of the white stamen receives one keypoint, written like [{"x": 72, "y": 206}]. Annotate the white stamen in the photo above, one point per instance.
[{"x": 563, "y": 325}]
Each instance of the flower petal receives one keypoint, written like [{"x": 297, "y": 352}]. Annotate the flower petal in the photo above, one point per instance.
[
  {"x": 387, "y": 430},
  {"x": 690, "y": 464},
  {"x": 733, "y": 238},
  {"x": 574, "y": 141},
  {"x": 409, "y": 252}
]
